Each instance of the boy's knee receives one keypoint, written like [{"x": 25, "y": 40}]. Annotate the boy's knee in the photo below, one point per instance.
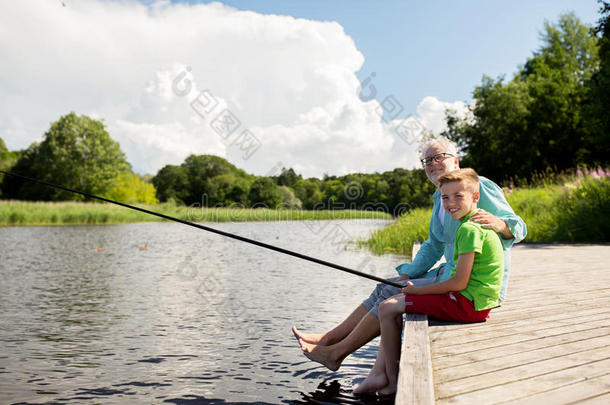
[{"x": 386, "y": 308}]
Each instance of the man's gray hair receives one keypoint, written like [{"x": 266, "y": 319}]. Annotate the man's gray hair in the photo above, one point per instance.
[{"x": 447, "y": 145}]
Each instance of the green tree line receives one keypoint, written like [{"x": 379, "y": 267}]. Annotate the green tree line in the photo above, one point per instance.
[
  {"x": 213, "y": 181},
  {"x": 78, "y": 152},
  {"x": 554, "y": 113}
]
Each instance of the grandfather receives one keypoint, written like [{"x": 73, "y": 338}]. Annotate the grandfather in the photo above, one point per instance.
[{"x": 362, "y": 325}]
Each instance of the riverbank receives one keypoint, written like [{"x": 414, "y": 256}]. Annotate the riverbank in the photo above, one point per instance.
[{"x": 26, "y": 213}]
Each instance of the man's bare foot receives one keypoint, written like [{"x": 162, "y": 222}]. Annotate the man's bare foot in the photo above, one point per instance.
[
  {"x": 320, "y": 354},
  {"x": 389, "y": 389},
  {"x": 372, "y": 383},
  {"x": 315, "y": 338}
]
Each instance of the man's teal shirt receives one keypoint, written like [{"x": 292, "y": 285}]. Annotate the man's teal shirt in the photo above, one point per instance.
[{"x": 441, "y": 239}]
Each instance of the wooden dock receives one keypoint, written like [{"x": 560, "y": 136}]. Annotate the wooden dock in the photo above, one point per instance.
[{"x": 549, "y": 343}]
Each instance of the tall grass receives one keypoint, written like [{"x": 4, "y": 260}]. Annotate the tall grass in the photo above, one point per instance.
[
  {"x": 398, "y": 237},
  {"x": 568, "y": 207},
  {"x": 81, "y": 213}
]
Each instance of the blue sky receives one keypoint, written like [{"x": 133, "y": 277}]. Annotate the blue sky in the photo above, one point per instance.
[
  {"x": 288, "y": 72},
  {"x": 433, "y": 48}
]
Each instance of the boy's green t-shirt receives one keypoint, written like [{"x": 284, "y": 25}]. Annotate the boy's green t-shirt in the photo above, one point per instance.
[{"x": 486, "y": 277}]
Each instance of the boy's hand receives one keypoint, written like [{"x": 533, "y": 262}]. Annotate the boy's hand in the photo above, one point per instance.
[
  {"x": 403, "y": 277},
  {"x": 407, "y": 287}
]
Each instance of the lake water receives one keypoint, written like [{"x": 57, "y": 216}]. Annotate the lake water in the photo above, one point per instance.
[{"x": 195, "y": 318}]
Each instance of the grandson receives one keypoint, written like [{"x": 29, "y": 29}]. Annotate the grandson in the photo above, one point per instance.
[{"x": 467, "y": 296}]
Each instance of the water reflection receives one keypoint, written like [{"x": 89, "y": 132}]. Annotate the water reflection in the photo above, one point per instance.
[
  {"x": 194, "y": 318},
  {"x": 331, "y": 392}
]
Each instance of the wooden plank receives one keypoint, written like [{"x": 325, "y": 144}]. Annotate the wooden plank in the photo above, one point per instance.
[
  {"x": 502, "y": 351},
  {"x": 602, "y": 399},
  {"x": 525, "y": 339},
  {"x": 448, "y": 337},
  {"x": 451, "y": 373},
  {"x": 415, "y": 384},
  {"x": 513, "y": 391},
  {"x": 526, "y": 370},
  {"x": 579, "y": 392}
]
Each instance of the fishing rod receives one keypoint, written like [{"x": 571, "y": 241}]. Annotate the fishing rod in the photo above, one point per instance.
[{"x": 213, "y": 230}]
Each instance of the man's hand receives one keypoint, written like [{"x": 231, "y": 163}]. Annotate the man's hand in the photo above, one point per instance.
[{"x": 488, "y": 220}]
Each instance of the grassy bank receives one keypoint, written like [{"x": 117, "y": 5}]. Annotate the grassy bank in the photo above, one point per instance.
[
  {"x": 80, "y": 213},
  {"x": 575, "y": 211}
]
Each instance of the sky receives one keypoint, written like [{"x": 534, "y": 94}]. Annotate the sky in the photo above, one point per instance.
[{"x": 324, "y": 87}]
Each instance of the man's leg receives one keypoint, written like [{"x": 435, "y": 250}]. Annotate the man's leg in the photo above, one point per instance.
[
  {"x": 337, "y": 333},
  {"x": 332, "y": 356},
  {"x": 366, "y": 330}
]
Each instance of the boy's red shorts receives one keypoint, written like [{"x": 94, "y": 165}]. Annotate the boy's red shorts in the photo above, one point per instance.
[{"x": 451, "y": 306}]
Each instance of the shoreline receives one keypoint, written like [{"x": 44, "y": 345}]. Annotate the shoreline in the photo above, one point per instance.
[{"x": 29, "y": 213}]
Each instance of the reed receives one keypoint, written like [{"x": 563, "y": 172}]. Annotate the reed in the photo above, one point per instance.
[
  {"x": 18, "y": 213},
  {"x": 398, "y": 236}
]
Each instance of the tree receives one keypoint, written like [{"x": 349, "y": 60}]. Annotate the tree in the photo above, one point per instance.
[
  {"x": 288, "y": 177},
  {"x": 596, "y": 109},
  {"x": 535, "y": 121},
  {"x": 238, "y": 192},
  {"x": 200, "y": 169},
  {"x": 171, "y": 183},
  {"x": 500, "y": 130},
  {"x": 265, "y": 193},
  {"x": 130, "y": 188},
  {"x": 76, "y": 152},
  {"x": 7, "y": 158},
  {"x": 227, "y": 190},
  {"x": 3, "y": 149},
  {"x": 289, "y": 200},
  {"x": 308, "y": 192},
  {"x": 204, "y": 179}
]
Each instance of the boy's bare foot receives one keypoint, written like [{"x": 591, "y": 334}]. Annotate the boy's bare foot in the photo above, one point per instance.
[
  {"x": 320, "y": 354},
  {"x": 315, "y": 338},
  {"x": 372, "y": 383}
]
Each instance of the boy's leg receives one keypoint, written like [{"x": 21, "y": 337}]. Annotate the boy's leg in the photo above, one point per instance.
[
  {"x": 390, "y": 339},
  {"x": 376, "y": 379}
]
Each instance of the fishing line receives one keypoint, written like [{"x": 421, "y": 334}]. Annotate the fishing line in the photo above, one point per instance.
[{"x": 216, "y": 231}]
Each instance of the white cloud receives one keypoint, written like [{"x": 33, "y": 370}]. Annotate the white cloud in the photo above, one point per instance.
[
  {"x": 432, "y": 113},
  {"x": 289, "y": 82}
]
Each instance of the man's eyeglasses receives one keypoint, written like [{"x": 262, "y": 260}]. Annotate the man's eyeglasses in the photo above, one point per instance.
[{"x": 436, "y": 158}]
